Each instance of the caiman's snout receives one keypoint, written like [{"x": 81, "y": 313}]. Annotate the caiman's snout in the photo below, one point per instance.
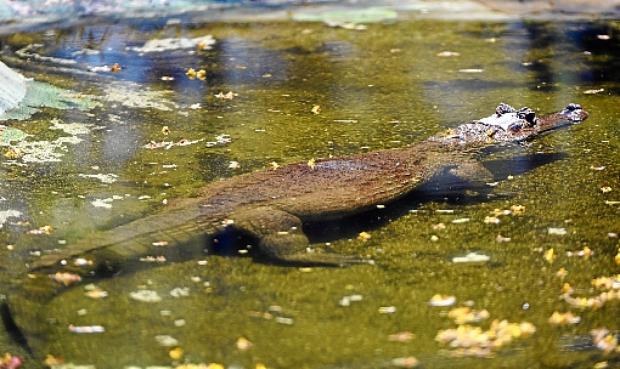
[{"x": 574, "y": 113}]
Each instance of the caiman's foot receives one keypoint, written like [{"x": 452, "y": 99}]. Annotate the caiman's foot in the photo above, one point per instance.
[{"x": 281, "y": 239}]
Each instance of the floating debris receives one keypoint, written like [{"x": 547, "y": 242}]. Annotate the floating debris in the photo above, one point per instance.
[
  {"x": 145, "y": 296},
  {"x": 10, "y": 361},
  {"x": 243, "y": 344},
  {"x": 491, "y": 220},
  {"x": 605, "y": 340},
  {"x": 226, "y": 96},
  {"x": 316, "y": 109},
  {"x": 53, "y": 361},
  {"x": 95, "y": 292},
  {"x": 166, "y": 341},
  {"x": 102, "y": 203},
  {"x": 133, "y": 95},
  {"x": 401, "y": 337},
  {"x": 561, "y": 273},
  {"x": 87, "y": 329},
  {"x": 311, "y": 163},
  {"x": 170, "y": 44},
  {"x": 467, "y": 340},
  {"x": 167, "y": 145},
  {"x": 347, "y": 300},
  {"x": 45, "y": 230},
  {"x": 563, "y": 318},
  {"x": 471, "y": 70},
  {"x": 603, "y": 37},
  {"x": 176, "y": 353},
  {"x": 594, "y": 92},
  {"x": 585, "y": 253},
  {"x": 387, "y": 309},
  {"x": 405, "y": 362},
  {"x": 179, "y": 292},
  {"x": 284, "y": 320},
  {"x": 471, "y": 257},
  {"x": 442, "y": 300},
  {"x": 606, "y": 189},
  {"x": 103, "y": 178},
  {"x": 438, "y": 226},
  {"x": 364, "y": 236},
  {"x": 153, "y": 259},
  {"x": 501, "y": 239},
  {"x": 460, "y": 220},
  {"x": 463, "y": 315},
  {"x": 233, "y": 165},
  {"x": 448, "y": 54},
  {"x": 65, "y": 278},
  {"x": 556, "y": 231},
  {"x": 549, "y": 256},
  {"x": 517, "y": 209}
]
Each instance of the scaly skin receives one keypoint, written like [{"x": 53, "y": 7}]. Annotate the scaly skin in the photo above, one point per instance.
[{"x": 272, "y": 206}]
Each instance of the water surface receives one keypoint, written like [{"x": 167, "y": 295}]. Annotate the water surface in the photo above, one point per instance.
[{"x": 384, "y": 87}]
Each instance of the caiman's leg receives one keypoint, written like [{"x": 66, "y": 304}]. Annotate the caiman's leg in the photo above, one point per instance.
[
  {"x": 471, "y": 170},
  {"x": 281, "y": 238}
]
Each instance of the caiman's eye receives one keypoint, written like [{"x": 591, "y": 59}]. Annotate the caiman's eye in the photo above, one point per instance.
[
  {"x": 573, "y": 106},
  {"x": 528, "y": 115}
]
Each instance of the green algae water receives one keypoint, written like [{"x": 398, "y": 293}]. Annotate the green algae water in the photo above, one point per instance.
[{"x": 139, "y": 138}]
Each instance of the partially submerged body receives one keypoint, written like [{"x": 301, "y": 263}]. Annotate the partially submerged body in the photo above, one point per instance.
[{"x": 272, "y": 206}]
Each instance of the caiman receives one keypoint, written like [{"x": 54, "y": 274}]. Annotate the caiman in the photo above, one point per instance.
[{"x": 272, "y": 206}]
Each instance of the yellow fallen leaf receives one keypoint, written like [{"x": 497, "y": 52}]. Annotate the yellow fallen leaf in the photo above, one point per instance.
[
  {"x": 312, "y": 163},
  {"x": 191, "y": 73},
  {"x": 176, "y": 353},
  {"x": 13, "y": 153},
  {"x": 316, "y": 109},
  {"x": 364, "y": 236},
  {"x": 549, "y": 256}
]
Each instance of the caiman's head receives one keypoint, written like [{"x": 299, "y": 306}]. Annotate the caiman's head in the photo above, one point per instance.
[{"x": 511, "y": 125}]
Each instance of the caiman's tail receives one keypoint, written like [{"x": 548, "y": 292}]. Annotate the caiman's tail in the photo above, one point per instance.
[{"x": 176, "y": 234}]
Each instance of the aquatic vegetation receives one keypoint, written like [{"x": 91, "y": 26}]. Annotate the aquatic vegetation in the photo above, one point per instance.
[
  {"x": 43, "y": 95},
  {"x": 170, "y": 44}
]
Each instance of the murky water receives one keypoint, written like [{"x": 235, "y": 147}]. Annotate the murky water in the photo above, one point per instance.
[{"x": 384, "y": 87}]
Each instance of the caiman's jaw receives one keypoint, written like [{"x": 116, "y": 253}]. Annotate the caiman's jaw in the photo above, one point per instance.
[
  {"x": 511, "y": 125},
  {"x": 571, "y": 114}
]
